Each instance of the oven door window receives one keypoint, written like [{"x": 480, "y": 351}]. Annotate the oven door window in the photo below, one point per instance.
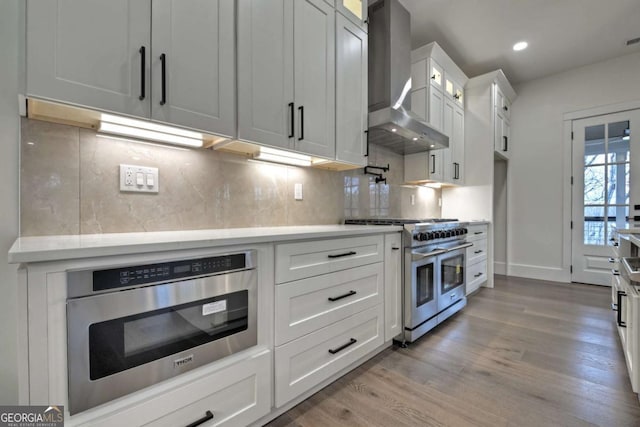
[
  {"x": 425, "y": 284},
  {"x": 452, "y": 272},
  {"x": 120, "y": 344}
]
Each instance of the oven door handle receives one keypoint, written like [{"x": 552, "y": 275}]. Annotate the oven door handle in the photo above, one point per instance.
[
  {"x": 464, "y": 245},
  {"x": 416, "y": 256}
]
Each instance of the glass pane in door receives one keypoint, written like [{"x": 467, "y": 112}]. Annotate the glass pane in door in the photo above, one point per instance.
[
  {"x": 606, "y": 180},
  {"x": 353, "y": 6},
  {"x": 452, "y": 270},
  {"x": 425, "y": 282}
]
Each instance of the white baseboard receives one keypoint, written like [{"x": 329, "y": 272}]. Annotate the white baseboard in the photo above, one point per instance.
[
  {"x": 499, "y": 268},
  {"x": 553, "y": 274}
]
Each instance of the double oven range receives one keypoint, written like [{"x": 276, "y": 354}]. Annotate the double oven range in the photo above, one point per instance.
[{"x": 434, "y": 264}]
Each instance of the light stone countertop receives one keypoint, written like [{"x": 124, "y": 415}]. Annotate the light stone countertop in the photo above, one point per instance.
[{"x": 57, "y": 248}]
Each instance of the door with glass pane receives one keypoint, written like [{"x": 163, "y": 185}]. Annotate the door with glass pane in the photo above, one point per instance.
[{"x": 602, "y": 189}]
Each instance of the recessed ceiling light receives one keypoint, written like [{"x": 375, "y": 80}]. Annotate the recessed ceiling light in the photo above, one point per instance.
[
  {"x": 415, "y": 138},
  {"x": 520, "y": 46},
  {"x": 394, "y": 130},
  {"x": 432, "y": 146}
]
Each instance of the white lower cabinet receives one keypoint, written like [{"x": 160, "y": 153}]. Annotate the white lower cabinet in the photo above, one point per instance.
[
  {"x": 305, "y": 305},
  {"x": 476, "y": 271},
  {"x": 392, "y": 285},
  {"x": 307, "y": 361},
  {"x": 235, "y": 396}
]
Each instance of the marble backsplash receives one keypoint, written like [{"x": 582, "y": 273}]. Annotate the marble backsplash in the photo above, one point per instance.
[{"x": 70, "y": 185}]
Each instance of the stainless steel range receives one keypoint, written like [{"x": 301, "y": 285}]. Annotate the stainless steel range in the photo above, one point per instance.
[{"x": 433, "y": 271}]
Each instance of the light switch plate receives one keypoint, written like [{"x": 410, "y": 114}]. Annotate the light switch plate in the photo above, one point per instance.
[
  {"x": 130, "y": 183},
  {"x": 297, "y": 191}
]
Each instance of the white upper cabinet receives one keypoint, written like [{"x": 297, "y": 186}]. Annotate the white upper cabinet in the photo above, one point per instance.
[
  {"x": 502, "y": 127},
  {"x": 354, "y": 10},
  {"x": 103, "y": 54},
  {"x": 314, "y": 77},
  {"x": 286, "y": 74},
  {"x": 266, "y": 110},
  {"x": 351, "y": 91},
  {"x": 195, "y": 87},
  {"x": 90, "y": 53}
]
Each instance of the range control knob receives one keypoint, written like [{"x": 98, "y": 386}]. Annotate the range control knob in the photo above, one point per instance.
[
  {"x": 420, "y": 237},
  {"x": 465, "y": 231},
  {"x": 430, "y": 236}
]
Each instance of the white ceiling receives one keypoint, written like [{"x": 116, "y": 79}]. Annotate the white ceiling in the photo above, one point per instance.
[{"x": 562, "y": 34}]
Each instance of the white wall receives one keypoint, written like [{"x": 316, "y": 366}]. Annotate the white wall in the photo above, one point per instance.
[
  {"x": 10, "y": 27},
  {"x": 536, "y": 196}
]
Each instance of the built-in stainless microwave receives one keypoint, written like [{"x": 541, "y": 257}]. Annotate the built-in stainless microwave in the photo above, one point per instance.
[{"x": 129, "y": 327}]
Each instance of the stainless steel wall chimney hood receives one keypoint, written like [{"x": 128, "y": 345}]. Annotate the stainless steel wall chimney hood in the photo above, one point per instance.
[{"x": 391, "y": 122}]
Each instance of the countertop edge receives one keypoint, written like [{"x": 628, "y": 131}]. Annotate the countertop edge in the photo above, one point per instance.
[{"x": 61, "y": 248}]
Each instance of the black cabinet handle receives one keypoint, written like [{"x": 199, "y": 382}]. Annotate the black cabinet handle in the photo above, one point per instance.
[
  {"x": 506, "y": 143},
  {"x": 342, "y": 255},
  {"x": 456, "y": 171},
  {"x": 615, "y": 272},
  {"x": 348, "y": 294},
  {"x": 505, "y": 108},
  {"x": 433, "y": 77},
  {"x": 477, "y": 275},
  {"x": 301, "y": 109},
  {"x": 292, "y": 118},
  {"x": 456, "y": 96},
  {"x": 208, "y": 416},
  {"x": 612, "y": 260},
  {"x": 478, "y": 251},
  {"x": 366, "y": 154},
  {"x": 616, "y": 244},
  {"x": 395, "y": 249},
  {"x": 351, "y": 342},
  {"x": 620, "y": 322},
  {"x": 143, "y": 69},
  {"x": 433, "y": 163},
  {"x": 478, "y": 232},
  {"x": 163, "y": 62}
]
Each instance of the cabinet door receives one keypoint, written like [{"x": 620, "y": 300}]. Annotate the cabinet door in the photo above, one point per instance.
[
  {"x": 436, "y": 75},
  {"x": 501, "y": 134},
  {"x": 265, "y": 72},
  {"x": 447, "y": 129},
  {"x": 457, "y": 142},
  {"x": 314, "y": 77},
  {"x": 355, "y": 11},
  {"x": 89, "y": 53},
  {"x": 392, "y": 286},
  {"x": 197, "y": 86},
  {"x": 351, "y": 91},
  {"x": 423, "y": 167},
  {"x": 435, "y": 108}
]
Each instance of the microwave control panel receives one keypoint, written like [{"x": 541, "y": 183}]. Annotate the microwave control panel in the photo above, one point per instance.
[{"x": 126, "y": 277}]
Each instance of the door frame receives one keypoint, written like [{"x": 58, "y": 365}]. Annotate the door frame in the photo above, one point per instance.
[{"x": 568, "y": 170}]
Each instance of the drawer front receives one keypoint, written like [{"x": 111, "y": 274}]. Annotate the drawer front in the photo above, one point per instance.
[
  {"x": 477, "y": 232},
  {"x": 235, "y": 399},
  {"x": 307, "y": 361},
  {"x": 296, "y": 261},
  {"x": 477, "y": 252},
  {"x": 306, "y": 305},
  {"x": 476, "y": 276}
]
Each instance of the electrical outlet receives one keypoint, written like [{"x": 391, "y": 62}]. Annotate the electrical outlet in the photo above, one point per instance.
[
  {"x": 139, "y": 179},
  {"x": 297, "y": 191},
  {"x": 413, "y": 199}
]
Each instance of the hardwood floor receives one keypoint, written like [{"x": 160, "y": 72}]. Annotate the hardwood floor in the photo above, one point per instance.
[{"x": 526, "y": 353}]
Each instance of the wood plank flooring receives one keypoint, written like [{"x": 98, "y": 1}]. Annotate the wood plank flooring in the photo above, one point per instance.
[{"x": 526, "y": 353}]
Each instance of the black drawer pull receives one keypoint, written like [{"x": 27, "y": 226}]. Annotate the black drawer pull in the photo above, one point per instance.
[
  {"x": 616, "y": 244},
  {"x": 292, "y": 118},
  {"x": 620, "y": 322},
  {"x": 478, "y": 232},
  {"x": 612, "y": 260},
  {"x": 395, "y": 249},
  {"x": 341, "y": 255},
  {"x": 478, "y": 251},
  {"x": 477, "y": 275},
  {"x": 301, "y": 110},
  {"x": 615, "y": 272},
  {"x": 348, "y": 294},
  {"x": 351, "y": 342},
  {"x": 208, "y": 416}
]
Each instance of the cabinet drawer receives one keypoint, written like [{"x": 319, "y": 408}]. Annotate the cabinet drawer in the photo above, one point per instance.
[
  {"x": 476, "y": 275},
  {"x": 307, "y": 361},
  {"x": 237, "y": 397},
  {"x": 306, "y": 305},
  {"x": 476, "y": 232},
  {"x": 477, "y": 252},
  {"x": 314, "y": 257}
]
